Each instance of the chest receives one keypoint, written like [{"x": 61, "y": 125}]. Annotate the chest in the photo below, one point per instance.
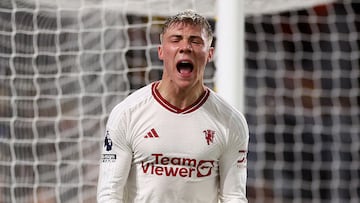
[{"x": 177, "y": 137}]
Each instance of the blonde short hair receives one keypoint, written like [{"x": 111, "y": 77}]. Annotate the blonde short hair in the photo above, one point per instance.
[{"x": 189, "y": 17}]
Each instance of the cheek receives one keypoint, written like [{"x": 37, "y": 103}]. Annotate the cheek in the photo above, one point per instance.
[
  {"x": 165, "y": 53},
  {"x": 206, "y": 58}
]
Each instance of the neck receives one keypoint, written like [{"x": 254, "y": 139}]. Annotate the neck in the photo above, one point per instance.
[{"x": 180, "y": 97}]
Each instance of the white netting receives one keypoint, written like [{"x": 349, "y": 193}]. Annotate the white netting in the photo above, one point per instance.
[
  {"x": 303, "y": 105},
  {"x": 65, "y": 64}
]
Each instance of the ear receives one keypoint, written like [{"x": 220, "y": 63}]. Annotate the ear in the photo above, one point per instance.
[
  {"x": 211, "y": 54},
  {"x": 160, "y": 52}
]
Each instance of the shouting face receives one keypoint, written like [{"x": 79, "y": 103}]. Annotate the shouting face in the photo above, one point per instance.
[{"x": 185, "y": 51}]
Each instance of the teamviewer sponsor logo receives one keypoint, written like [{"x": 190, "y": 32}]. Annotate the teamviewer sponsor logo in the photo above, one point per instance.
[
  {"x": 178, "y": 166},
  {"x": 204, "y": 168}
]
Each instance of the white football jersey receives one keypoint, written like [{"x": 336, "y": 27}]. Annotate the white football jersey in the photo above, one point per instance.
[{"x": 155, "y": 152}]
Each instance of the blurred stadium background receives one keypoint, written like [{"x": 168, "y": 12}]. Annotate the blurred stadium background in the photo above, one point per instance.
[{"x": 65, "y": 64}]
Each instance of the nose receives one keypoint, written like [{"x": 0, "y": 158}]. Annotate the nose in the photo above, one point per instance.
[{"x": 186, "y": 47}]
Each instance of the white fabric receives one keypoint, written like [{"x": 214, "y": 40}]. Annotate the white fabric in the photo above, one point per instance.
[{"x": 155, "y": 152}]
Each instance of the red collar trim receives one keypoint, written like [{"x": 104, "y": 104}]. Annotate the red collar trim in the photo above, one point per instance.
[{"x": 197, "y": 104}]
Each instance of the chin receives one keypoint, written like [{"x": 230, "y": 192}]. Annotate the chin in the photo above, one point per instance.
[{"x": 187, "y": 83}]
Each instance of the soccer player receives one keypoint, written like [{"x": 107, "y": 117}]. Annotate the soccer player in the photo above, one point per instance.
[{"x": 176, "y": 140}]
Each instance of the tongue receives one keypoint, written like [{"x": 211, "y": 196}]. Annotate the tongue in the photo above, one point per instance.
[{"x": 185, "y": 70}]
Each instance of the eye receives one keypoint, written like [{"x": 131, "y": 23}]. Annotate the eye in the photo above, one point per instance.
[
  {"x": 197, "y": 41},
  {"x": 175, "y": 39}
]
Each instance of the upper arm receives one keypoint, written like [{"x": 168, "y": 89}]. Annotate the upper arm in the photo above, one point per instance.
[
  {"x": 115, "y": 162},
  {"x": 233, "y": 164}
]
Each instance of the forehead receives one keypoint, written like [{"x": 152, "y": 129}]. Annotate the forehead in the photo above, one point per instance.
[{"x": 181, "y": 27}]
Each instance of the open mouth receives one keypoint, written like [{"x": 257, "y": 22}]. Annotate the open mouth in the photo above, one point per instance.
[{"x": 184, "y": 67}]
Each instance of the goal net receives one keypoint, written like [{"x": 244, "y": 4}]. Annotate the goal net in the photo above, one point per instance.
[
  {"x": 64, "y": 64},
  {"x": 302, "y": 104}
]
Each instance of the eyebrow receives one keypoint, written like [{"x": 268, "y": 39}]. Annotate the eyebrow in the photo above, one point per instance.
[{"x": 190, "y": 37}]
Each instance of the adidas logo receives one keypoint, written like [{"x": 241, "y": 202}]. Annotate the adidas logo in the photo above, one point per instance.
[{"x": 152, "y": 134}]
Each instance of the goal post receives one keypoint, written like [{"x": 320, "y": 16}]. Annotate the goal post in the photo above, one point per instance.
[{"x": 230, "y": 52}]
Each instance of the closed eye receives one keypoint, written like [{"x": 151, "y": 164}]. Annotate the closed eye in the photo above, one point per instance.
[
  {"x": 197, "y": 40},
  {"x": 175, "y": 38}
]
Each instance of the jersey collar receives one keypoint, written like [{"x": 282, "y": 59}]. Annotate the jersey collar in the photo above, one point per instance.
[{"x": 197, "y": 104}]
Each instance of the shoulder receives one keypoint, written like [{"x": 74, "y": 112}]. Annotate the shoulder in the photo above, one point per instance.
[
  {"x": 222, "y": 106},
  {"x": 130, "y": 102},
  {"x": 228, "y": 114}
]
